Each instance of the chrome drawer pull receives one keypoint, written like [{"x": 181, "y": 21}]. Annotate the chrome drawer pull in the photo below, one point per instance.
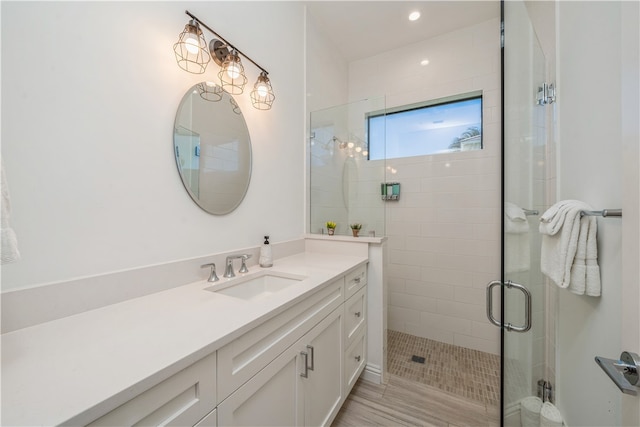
[
  {"x": 310, "y": 348},
  {"x": 305, "y": 374},
  {"x": 358, "y": 358},
  {"x": 357, "y": 314}
]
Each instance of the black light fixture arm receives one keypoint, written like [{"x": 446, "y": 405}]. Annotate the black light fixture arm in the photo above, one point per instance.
[{"x": 225, "y": 41}]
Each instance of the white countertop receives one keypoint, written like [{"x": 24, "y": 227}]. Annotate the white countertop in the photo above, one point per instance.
[{"x": 80, "y": 367}]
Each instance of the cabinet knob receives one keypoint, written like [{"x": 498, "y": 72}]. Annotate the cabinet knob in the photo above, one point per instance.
[
  {"x": 358, "y": 358},
  {"x": 357, "y": 279},
  {"x": 357, "y": 314}
]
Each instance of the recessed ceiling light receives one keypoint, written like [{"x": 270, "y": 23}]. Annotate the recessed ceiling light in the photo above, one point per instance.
[
  {"x": 424, "y": 62},
  {"x": 414, "y": 16}
]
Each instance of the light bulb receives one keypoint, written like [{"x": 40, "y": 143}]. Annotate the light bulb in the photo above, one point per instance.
[
  {"x": 192, "y": 44},
  {"x": 365, "y": 153},
  {"x": 358, "y": 149},
  {"x": 414, "y": 16},
  {"x": 350, "y": 145},
  {"x": 263, "y": 90},
  {"x": 233, "y": 71}
]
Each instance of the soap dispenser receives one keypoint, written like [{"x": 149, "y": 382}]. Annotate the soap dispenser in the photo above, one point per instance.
[{"x": 266, "y": 258}]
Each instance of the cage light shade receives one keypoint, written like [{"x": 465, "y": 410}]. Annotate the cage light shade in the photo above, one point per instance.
[
  {"x": 232, "y": 75},
  {"x": 234, "y": 106},
  {"x": 210, "y": 91},
  {"x": 191, "y": 50},
  {"x": 262, "y": 95}
]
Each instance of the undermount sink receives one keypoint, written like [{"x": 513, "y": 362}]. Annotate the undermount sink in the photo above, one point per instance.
[{"x": 256, "y": 286}]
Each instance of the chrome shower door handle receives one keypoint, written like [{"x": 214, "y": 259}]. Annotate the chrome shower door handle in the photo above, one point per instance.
[
  {"x": 490, "y": 287},
  {"x": 527, "y": 308}
]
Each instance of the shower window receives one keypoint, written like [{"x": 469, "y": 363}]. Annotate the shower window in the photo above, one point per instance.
[{"x": 438, "y": 126}]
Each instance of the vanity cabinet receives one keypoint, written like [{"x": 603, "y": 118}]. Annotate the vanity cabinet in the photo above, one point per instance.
[
  {"x": 244, "y": 357},
  {"x": 273, "y": 397},
  {"x": 302, "y": 386},
  {"x": 323, "y": 384},
  {"x": 294, "y": 369},
  {"x": 182, "y": 399},
  {"x": 355, "y": 337}
]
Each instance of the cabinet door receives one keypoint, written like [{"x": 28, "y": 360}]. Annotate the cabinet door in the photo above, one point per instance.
[
  {"x": 271, "y": 398},
  {"x": 355, "y": 360},
  {"x": 323, "y": 387}
]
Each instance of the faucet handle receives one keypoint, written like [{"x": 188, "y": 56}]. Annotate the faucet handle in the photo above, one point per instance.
[
  {"x": 213, "y": 277},
  {"x": 243, "y": 267}
]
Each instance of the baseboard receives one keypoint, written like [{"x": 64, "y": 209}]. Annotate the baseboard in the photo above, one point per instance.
[{"x": 372, "y": 373}]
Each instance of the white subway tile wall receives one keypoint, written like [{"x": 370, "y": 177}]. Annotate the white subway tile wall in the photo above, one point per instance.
[{"x": 444, "y": 232}]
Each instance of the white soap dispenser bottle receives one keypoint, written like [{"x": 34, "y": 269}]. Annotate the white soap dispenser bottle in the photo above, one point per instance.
[{"x": 266, "y": 258}]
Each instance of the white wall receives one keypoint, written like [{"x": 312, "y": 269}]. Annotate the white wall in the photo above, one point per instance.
[
  {"x": 590, "y": 168},
  {"x": 90, "y": 91},
  {"x": 444, "y": 233}
]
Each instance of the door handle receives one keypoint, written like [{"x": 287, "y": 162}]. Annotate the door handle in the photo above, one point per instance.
[
  {"x": 623, "y": 372},
  {"x": 527, "y": 306}
]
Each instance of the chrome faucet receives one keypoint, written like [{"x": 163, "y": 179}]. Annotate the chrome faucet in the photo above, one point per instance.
[
  {"x": 228, "y": 271},
  {"x": 213, "y": 277}
]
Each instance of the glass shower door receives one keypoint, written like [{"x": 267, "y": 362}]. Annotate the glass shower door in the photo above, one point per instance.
[{"x": 526, "y": 327}]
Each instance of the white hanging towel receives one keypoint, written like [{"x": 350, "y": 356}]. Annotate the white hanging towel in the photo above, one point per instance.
[
  {"x": 550, "y": 416},
  {"x": 9, "y": 249},
  {"x": 569, "y": 254},
  {"x": 516, "y": 228}
]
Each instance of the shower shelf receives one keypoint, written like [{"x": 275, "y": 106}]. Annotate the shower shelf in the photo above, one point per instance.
[{"x": 390, "y": 190}]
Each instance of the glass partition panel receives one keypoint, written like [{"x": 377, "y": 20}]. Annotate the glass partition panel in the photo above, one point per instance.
[{"x": 345, "y": 186}]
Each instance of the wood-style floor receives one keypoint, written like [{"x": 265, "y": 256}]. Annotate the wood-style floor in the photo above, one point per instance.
[{"x": 403, "y": 402}]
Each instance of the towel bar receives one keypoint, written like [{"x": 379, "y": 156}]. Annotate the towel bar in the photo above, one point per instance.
[{"x": 603, "y": 213}]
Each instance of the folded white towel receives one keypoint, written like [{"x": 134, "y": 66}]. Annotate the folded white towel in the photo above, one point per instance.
[
  {"x": 550, "y": 416},
  {"x": 530, "y": 411},
  {"x": 569, "y": 248},
  {"x": 516, "y": 228},
  {"x": 9, "y": 247}
]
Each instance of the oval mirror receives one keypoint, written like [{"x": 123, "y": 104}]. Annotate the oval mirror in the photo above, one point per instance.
[{"x": 212, "y": 148}]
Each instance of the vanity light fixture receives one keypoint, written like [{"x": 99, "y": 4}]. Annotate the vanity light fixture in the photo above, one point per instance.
[
  {"x": 235, "y": 106},
  {"x": 191, "y": 49},
  {"x": 232, "y": 74},
  {"x": 262, "y": 94},
  {"x": 210, "y": 91},
  {"x": 193, "y": 55}
]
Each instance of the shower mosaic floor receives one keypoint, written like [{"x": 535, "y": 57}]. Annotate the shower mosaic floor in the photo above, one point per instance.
[{"x": 467, "y": 373}]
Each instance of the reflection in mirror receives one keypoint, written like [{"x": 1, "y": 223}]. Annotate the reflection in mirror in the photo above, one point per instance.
[
  {"x": 212, "y": 148},
  {"x": 344, "y": 185}
]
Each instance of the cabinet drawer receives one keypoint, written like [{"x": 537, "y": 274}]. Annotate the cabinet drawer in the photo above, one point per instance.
[
  {"x": 355, "y": 360},
  {"x": 241, "y": 359},
  {"x": 355, "y": 315},
  {"x": 182, "y": 399},
  {"x": 355, "y": 280}
]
